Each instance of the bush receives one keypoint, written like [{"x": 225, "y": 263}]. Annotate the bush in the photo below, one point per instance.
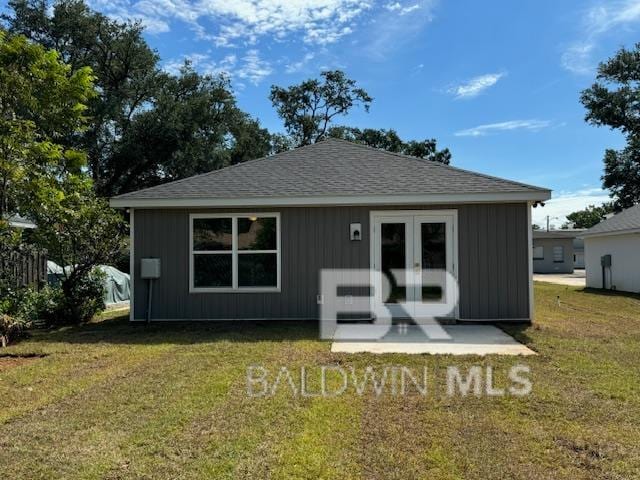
[
  {"x": 80, "y": 299},
  {"x": 11, "y": 328},
  {"x": 34, "y": 306}
]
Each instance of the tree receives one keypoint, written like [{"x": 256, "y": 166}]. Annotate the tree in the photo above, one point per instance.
[
  {"x": 308, "y": 108},
  {"x": 194, "y": 126},
  {"x": 613, "y": 101},
  {"x": 42, "y": 102},
  {"x": 79, "y": 231},
  {"x": 135, "y": 96},
  {"x": 389, "y": 140},
  {"x": 590, "y": 216}
]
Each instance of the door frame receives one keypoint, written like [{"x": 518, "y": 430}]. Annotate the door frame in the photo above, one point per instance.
[{"x": 453, "y": 213}]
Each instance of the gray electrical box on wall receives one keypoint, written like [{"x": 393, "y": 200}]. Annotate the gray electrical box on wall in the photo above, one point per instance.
[
  {"x": 605, "y": 260},
  {"x": 149, "y": 268}
]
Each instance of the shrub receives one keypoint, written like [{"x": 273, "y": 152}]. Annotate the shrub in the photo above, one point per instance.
[
  {"x": 11, "y": 328},
  {"x": 34, "y": 306},
  {"x": 80, "y": 299}
]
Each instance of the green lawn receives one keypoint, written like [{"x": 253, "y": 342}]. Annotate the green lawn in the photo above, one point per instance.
[{"x": 112, "y": 400}]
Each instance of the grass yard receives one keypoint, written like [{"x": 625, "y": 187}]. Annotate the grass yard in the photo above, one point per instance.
[{"x": 112, "y": 400}]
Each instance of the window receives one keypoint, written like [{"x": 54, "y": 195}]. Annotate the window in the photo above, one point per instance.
[
  {"x": 558, "y": 254},
  {"x": 235, "y": 252},
  {"x": 538, "y": 253}
]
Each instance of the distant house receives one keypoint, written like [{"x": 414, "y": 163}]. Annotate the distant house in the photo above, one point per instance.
[
  {"x": 612, "y": 252},
  {"x": 17, "y": 221},
  {"x": 250, "y": 241},
  {"x": 557, "y": 251}
]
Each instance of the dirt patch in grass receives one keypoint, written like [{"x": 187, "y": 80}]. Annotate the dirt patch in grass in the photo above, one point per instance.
[{"x": 12, "y": 361}]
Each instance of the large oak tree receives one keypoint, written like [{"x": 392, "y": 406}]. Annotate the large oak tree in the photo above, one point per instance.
[
  {"x": 614, "y": 101},
  {"x": 147, "y": 126}
]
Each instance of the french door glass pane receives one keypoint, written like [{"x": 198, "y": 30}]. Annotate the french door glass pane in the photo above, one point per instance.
[
  {"x": 393, "y": 257},
  {"x": 434, "y": 260},
  {"x": 212, "y": 234},
  {"x": 258, "y": 270},
  {"x": 212, "y": 270},
  {"x": 257, "y": 233}
]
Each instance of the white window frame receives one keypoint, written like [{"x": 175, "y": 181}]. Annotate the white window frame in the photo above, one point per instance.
[
  {"x": 234, "y": 252},
  {"x": 541, "y": 247}
]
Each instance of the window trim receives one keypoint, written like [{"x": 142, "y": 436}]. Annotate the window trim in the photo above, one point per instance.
[
  {"x": 234, "y": 252},
  {"x": 533, "y": 253},
  {"x": 553, "y": 253}
]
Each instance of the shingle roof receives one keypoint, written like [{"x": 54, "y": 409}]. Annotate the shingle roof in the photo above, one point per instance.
[
  {"x": 628, "y": 219},
  {"x": 566, "y": 233},
  {"x": 332, "y": 168}
]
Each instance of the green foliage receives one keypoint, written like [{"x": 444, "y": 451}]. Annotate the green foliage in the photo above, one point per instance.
[
  {"x": 308, "y": 108},
  {"x": 42, "y": 102},
  {"x": 148, "y": 127},
  {"x": 193, "y": 127},
  {"x": 390, "y": 140},
  {"x": 590, "y": 216},
  {"x": 613, "y": 101},
  {"x": 34, "y": 305},
  {"x": 79, "y": 231},
  {"x": 79, "y": 300}
]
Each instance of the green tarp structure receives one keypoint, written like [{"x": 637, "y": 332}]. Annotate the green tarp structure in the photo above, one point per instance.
[{"x": 117, "y": 286}]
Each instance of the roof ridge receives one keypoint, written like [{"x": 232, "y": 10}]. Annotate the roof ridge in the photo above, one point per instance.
[
  {"x": 610, "y": 224},
  {"x": 439, "y": 164},
  {"x": 218, "y": 170}
]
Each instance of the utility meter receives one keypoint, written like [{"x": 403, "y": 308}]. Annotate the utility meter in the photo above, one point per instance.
[{"x": 150, "y": 268}]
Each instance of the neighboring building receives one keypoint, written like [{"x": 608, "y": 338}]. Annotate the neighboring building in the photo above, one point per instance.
[
  {"x": 17, "y": 221},
  {"x": 578, "y": 251},
  {"x": 249, "y": 241},
  {"x": 617, "y": 239},
  {"x": 557, "y": 251}
]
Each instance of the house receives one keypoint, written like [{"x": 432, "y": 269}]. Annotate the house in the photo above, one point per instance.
[
  {"x": 249, "y": 241},
  {"x": 612, "y": 252},
  {"x": 16, "y": 221},
  {"x": 557, "y": 251}
]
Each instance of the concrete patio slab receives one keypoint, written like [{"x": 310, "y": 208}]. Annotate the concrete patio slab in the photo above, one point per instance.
[
  {"x": 411, "y": 339},
  {"x": 576, "y": 279}
]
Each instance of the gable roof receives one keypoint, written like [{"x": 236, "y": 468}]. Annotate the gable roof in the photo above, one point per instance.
[
  {"x": 627, "y": 221},
  {"x": 332, "y": 172}
]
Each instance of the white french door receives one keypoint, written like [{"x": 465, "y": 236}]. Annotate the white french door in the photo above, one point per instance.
[{"x": 414, "y": 263}]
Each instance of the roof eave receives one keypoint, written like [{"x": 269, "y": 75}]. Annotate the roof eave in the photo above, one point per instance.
[
  {"x": 339, "y": 200},
  {"x": 627, "y": 231}
]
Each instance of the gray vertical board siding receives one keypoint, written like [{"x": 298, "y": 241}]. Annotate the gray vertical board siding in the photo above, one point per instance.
[{"x": 492, "y": 261}]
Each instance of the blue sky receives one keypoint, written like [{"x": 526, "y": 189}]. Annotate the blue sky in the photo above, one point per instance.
[{"x": 496, "y": 82}]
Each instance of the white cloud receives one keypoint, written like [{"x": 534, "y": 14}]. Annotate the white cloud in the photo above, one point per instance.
[
  {"x": 597, "y": 21},
  {"x": 254, "y": 68},
  {"x": 300, "y": 64},
  {"x": 401, "y": 9},
  {"x": 249, "y": 67},
  {"x": 577, "y": 58},
  {"x": 475, "y": 86},
  {"x": 612, "y": 14},
  {"x": 320, "y": 21},
  {"x": 388, "y": 33},
  {"x": 482, "y": 130},
  {"x": 565, "y": 203},
  {"x": 202, "y": 63}
]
